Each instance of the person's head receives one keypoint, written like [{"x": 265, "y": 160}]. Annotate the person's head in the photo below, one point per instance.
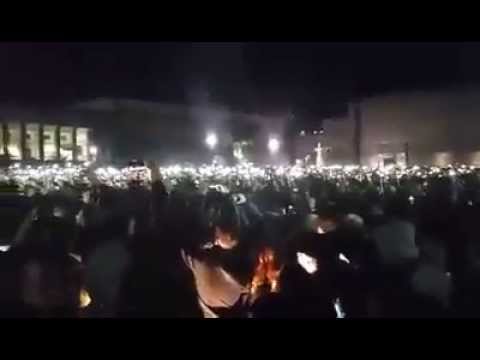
[
  {"x": 327, "y": 218},
  {"x": 222, "y": 219},
  {"x": 86, "y": 197},
  {"x": 353, "y": 221}
]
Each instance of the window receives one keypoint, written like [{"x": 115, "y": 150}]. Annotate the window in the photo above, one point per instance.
[
  {"x": 14, "y": 141},
  {"x": 1, "y": 140},
  {"x": 49, "y": 145},
  {"x": 388, "y": 159},
  {"x": 82, "y": 144},
  {"x": 66, "y": 143},
  {"x": 32, "y": 141}
]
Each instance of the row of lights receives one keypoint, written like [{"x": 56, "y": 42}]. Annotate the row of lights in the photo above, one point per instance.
[
  {"x": 314, "y": 132},
  {"x": 273, "y": 144}
]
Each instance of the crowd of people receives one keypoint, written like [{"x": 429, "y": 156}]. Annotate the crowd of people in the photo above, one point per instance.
[{"x": 242, "y": 242}]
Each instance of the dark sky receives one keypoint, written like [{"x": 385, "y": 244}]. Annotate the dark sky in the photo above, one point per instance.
[{"x": 310, "y": 78}]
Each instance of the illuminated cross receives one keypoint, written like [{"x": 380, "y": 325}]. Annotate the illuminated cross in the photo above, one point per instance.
[{"x": 319, "y": 149}]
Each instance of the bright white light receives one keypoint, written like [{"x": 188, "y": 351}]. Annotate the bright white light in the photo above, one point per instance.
[
  {"x": 211, "y": 140},
  {"x": 343, "y": 258},
  {"x": 93, "y": 150},
  {"x": 307, "y": 262},
  {"x": 76, "y": 257},
  {"x": 338, "y": 309},
  {"x": 389, "y": 167},
  {"x": 273, "y": 145},
  {"x": 350, "y": 168},
  {"x": 208, "y": 245}
]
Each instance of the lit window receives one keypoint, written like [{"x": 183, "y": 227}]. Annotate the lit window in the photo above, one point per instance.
[
  {"x": 49, "y": 145},
  {"x": 14, "y": 142},
  {"x": 66, "y": 143},
  {"x": 1, "y": 140},
  {"x": 82, "y": 144},
  {"x": 32, "y": 141}
]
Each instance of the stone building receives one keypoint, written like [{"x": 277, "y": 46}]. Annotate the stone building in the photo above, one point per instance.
[
  {"x": 432, "y": 128},
  {"x": 35, "y": 136}
]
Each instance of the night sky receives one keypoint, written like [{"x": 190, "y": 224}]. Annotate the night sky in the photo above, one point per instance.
[{"x": 308, "y": 78}]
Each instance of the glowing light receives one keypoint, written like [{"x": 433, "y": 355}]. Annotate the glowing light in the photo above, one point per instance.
[
  {"x": 93, "y": 150},
  {"x": 307, "y": 262},
  {"x": 76, "y": 257},
  {"x": 343, "y": 258},
  {"x": 211, "y": 140},
  {"x": 350, "y": 168},
  {"x": 45, "y": 178},
  {"x": 273, "y": 145},
  {"x": 85, "y": 299},
  {"x": 338, "y": 309},
  {"x": 267, "y": 272}
]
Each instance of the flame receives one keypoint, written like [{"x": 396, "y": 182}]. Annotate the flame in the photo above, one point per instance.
[
  {"x": 267, "y": 272},
  {"x": 224, "y": 239}
]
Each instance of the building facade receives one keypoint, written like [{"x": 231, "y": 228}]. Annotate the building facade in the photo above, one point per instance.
[
  {"x": 431, "y": 128},
  {"x": 34, "y": 141}
]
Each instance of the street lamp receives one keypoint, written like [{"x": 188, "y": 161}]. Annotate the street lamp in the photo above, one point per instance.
[
  {"x": 211, "y": 140},
  {"x": 273, "y": 145}
]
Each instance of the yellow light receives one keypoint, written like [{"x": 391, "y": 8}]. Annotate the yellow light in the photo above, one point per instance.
[{"x": 85, "y": 299}]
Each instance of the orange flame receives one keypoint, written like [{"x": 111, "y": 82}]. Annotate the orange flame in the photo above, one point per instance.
[{"x": 267, "y": 272}]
